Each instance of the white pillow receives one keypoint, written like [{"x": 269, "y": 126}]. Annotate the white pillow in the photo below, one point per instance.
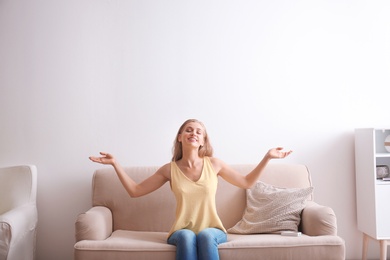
[{"x": 271, "y": 209}]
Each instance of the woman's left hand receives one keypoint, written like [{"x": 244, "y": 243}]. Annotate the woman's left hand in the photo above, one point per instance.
[{"x": 278, "y": 153}]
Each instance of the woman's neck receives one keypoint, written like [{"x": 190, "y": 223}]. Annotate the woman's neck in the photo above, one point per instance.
[{"x": 190, "y": 158}]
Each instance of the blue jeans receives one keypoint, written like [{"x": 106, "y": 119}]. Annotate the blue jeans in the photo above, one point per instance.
[{"x": 203, "y": 246}]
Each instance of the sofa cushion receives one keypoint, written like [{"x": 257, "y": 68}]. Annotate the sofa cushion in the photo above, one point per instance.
[
  {"x": 125, "y": 245},
  {"x": 271, "y": 209},
  {"x": 276, "y": 247}
]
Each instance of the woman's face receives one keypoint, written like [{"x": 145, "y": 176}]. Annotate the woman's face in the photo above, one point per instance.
[{"x": 192, "y": 134}]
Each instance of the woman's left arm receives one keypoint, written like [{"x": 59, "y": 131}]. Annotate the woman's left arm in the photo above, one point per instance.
[{"x": 247, "y": 181}]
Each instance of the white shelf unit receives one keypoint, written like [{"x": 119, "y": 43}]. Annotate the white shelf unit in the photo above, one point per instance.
[{"x": 372, "y": 194}]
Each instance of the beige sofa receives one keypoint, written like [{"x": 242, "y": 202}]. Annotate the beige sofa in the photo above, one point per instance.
[{"x": 120, "y": 227}]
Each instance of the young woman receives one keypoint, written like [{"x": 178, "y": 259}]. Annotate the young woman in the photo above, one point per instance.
[{"x": 193, "y": 173}]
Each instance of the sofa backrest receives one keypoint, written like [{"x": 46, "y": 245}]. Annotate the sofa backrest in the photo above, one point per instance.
[
  {"x": 156, "y": 211},
  {"x": 18, "y": 186}
]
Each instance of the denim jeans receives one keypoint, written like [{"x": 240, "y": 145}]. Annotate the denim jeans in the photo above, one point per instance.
[{"x": 203, "y": 246}]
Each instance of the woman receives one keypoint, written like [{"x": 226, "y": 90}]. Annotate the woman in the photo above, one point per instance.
[{"x": 193, "y": 174}]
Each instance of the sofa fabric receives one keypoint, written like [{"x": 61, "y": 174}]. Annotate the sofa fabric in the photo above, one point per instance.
[
  {"x": 120, "y": 227},
  {"x": 18, "y": 212}
]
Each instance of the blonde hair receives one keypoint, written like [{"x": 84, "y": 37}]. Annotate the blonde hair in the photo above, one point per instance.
[{"x": 205, "y": 150}]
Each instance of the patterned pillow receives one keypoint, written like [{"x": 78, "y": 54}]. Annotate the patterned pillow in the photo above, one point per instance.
[{"x": 271, "y": 209}]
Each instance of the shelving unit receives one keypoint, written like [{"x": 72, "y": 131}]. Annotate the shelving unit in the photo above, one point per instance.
[{"x": 372, "y": 194}]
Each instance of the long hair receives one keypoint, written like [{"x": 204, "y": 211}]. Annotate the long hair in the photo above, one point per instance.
[{"x": 205, "y": 150}]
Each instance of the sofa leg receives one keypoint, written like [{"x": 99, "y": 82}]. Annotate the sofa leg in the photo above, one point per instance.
[
  {"x": 366, "y": 239},
  {"x": 383, "y": 246}
]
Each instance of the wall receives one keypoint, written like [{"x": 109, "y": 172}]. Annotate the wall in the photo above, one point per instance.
[{"x": 79, "y": 77}]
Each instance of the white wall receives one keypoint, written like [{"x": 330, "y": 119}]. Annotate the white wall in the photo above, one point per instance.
[{"x": 78, "y": 77}]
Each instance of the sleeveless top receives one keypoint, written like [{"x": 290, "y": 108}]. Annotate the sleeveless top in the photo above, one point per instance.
[{"x": 195, "y": 200}]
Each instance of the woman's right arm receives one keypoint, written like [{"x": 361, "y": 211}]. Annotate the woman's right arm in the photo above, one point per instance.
[{"x": 161, "y": 176}]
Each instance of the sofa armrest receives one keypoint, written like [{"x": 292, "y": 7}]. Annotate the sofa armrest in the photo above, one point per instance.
[
  {"x": 318, "y": 220},
  {"x": 15, "y": 225},
  {"x": 95, "y": 224}
]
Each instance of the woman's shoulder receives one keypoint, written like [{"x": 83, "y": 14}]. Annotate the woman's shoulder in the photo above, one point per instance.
[
  {"x": 165, "y": 170},
  {"x": 215, "y": 160},
  {"x": 216, "y": 163}
]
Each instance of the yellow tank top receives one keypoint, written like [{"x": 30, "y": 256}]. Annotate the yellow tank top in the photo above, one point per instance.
[{"x": 195, "y": 209}]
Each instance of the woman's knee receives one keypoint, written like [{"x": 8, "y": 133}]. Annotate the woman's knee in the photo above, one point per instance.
[
  {"x": 205, "y": 235},
  {"x": 211, "y": 235},
  {"x": 183, "y": 236}
]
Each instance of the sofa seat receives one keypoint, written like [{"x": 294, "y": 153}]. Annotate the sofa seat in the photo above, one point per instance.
[
  {"x": 275, "y": 246},
  {"x": 153, "y": 245},
  {"x": 124, "y": 244}
]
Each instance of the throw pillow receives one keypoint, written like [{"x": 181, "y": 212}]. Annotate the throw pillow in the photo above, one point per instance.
[{"x": 271, "y": 209}]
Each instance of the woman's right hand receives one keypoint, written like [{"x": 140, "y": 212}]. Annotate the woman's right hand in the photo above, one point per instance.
[{"x": 105, "y": 158}]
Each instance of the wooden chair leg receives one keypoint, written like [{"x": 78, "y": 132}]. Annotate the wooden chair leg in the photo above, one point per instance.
[
  {"x": 365, "y": 246},
  {"x": 383, "y": 248}
]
